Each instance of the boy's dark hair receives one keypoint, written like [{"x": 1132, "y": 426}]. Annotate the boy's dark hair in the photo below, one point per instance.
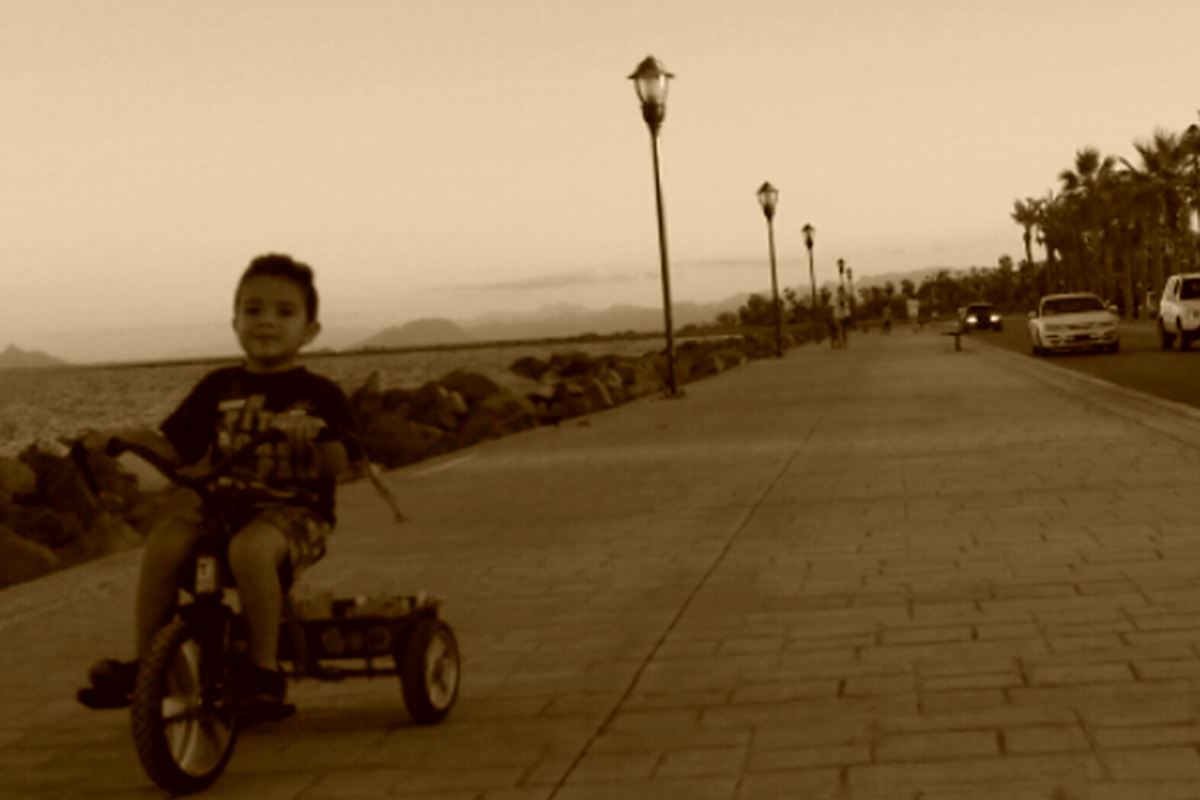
[{"x": 282, "y": 266}]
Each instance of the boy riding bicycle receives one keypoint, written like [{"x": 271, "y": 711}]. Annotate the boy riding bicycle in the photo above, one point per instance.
[{"x": 280, "y": 502}]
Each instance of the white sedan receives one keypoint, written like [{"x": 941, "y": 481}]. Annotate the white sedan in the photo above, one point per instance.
[{"x": 1079, "y": 321}]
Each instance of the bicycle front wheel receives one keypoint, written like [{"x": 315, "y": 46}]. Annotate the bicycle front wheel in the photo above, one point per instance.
[{"x": 183, "y": 724}]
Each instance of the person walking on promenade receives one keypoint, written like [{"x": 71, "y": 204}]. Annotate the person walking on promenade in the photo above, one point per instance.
[
  {"x": 281, "y": 504},
  {"x": 913, "y": 307},
  {"x": 841, "y": 315},
  {"x": 834, "y": 331}
]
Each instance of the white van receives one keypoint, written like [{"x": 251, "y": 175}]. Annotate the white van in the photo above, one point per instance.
[{"x": 1179, "y": 311}]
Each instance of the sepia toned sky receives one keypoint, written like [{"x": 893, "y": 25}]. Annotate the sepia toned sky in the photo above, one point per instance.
[{"x": 468, "y": 157}]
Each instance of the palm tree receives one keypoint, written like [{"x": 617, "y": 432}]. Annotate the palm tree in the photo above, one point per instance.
[
  {"x": 1025, "y": 214},
  {"x": 1163, "y": 164},
  {"x": 1189, "y": 145},
  {"x": 1055, "y": 232},
  {"x": 1081, "y": 190}
]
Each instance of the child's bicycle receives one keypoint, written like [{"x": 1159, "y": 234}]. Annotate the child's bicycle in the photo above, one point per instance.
[{"x": 185, "y": 717}]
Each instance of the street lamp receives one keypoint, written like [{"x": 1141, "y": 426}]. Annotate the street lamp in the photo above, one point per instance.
[
  {"x": 768, "y": 196},
  {"x": 651, "y": 79},
  {"x": 809, "y": 230}
]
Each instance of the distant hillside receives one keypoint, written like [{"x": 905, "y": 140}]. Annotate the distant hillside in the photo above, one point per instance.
[
  {"x": 417, "y": 333},
  {"x": 14, "y": 358},
  {"x": 561, "y": 320}
]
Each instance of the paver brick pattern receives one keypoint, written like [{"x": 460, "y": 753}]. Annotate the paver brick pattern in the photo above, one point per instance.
[{"x": 892, "y": 571}]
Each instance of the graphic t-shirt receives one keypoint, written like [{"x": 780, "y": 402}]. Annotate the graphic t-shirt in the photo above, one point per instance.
[{"x": 229, "y": 406}]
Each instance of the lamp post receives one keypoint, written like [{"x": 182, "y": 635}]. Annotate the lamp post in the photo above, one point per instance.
[
  {"x": 812, "y": 274},
  {"x": 651, "y": 79},
  {"x": 842, "y": 309},
  {"x": 850, "y": 294},
  {"x": 768, "y": 196}
]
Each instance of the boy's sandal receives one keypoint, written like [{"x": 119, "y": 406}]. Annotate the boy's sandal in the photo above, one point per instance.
[
  {"x": 102, "y": 698},
  {"x": 112, "y": 684}
]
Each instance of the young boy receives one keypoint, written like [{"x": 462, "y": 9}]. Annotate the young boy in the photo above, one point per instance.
[{"x": 281, "y": 502}]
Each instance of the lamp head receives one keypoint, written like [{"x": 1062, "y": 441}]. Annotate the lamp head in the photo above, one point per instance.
[
  {"x": 651, "y": 79},
  {"x": 808, "y": 235},
  {"x": 768, "y": 196}
]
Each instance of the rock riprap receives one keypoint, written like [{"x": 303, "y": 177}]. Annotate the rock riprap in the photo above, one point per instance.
[{"x": 51, "y": 519}]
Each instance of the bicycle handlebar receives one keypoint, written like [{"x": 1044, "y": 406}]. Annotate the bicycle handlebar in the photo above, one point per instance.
[{"x": 198, "y": 483}]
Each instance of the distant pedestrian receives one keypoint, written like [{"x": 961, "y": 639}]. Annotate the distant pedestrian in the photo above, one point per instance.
[
  {"x": 887, "y": 318},
  {"x": 841, "y": 314},
  {"x": 913, "y": 306}
]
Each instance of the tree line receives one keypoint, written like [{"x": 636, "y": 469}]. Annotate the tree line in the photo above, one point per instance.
[
  {"x": 1110, "y": 226},
  {"x": 939, "y": 293},
  {"x": 1117, "y": 228}
]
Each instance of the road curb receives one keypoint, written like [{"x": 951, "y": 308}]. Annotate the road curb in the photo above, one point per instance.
[{"x": 1178, "y": 420}]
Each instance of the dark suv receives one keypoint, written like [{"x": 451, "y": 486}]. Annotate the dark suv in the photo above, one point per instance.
[{"x": 980, "y": 316}]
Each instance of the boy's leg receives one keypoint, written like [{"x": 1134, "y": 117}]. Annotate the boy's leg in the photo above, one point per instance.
[
  {"x": 166, "y": 552},
  {"x": 255, "y": 555},
  {"x": 277, "y": 536}
]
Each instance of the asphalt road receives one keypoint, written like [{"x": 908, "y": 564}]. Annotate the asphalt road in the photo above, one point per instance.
[{"x": 1141, "y": 364}]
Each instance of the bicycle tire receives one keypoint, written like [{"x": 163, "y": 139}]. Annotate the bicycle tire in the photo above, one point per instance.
[{"x": 183, "y": 729}]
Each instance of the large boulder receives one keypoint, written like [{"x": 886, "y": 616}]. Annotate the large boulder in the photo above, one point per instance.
[
  {"x": 392, "y": 440},
  {"x": 496, "y": 416},
  {"x": 683, "y": 367},
  {"x": 570, "y": 400},
  {"x": 704, "y": 364},
  {"x": 61, "y": 486},
  {"x": 572, "y": 364},
  {"x": 519, "y": 386},
  {"x": 22, "y": 560},
  {"x": 597, "y": 394},
  {"x": 757, "y": 346},
  {"x": 16, "y": 478},
  {"x": 638, "y": 379},
  {"x": 530, "y": 367},
  {"x": 368, "y": 398},
  {"x": 437, "y": 406},
  {"x": 45, "y": 525},
  {"x": 107, "y": 535},
  {"x": 473, "y": 386},
  {"x": 731, "y": 357},
  {"x": 613, "y": 383}
]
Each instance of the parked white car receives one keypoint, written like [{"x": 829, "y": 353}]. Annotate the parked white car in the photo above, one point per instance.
[
  {"x": 1078, "y": 321},
  {"x": 1179, "y": 311}
]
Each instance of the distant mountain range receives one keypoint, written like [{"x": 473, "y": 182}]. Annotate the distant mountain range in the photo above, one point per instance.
[
  {"x": 562, "y": 320},
  {"x": 549, "y": 322},
  {"x": 14, "y": 357}
]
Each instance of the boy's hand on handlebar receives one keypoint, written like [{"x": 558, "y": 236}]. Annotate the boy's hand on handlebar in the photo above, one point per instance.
[
  {"x": 96, "y": 441},
  {"x": 300, "y": 429}
]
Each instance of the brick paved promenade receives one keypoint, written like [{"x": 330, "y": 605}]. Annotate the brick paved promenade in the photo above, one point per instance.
[{"x": 895, "y": 571}]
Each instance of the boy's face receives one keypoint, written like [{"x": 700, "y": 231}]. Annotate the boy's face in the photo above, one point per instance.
[{"x": 271, "y": 322}]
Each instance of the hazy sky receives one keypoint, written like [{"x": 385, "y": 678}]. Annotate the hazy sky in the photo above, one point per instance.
[{"x": 460, "y": 157}]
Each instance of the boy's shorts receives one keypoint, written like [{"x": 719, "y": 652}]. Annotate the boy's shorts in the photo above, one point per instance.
[{"x": 303, "y": 529}]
